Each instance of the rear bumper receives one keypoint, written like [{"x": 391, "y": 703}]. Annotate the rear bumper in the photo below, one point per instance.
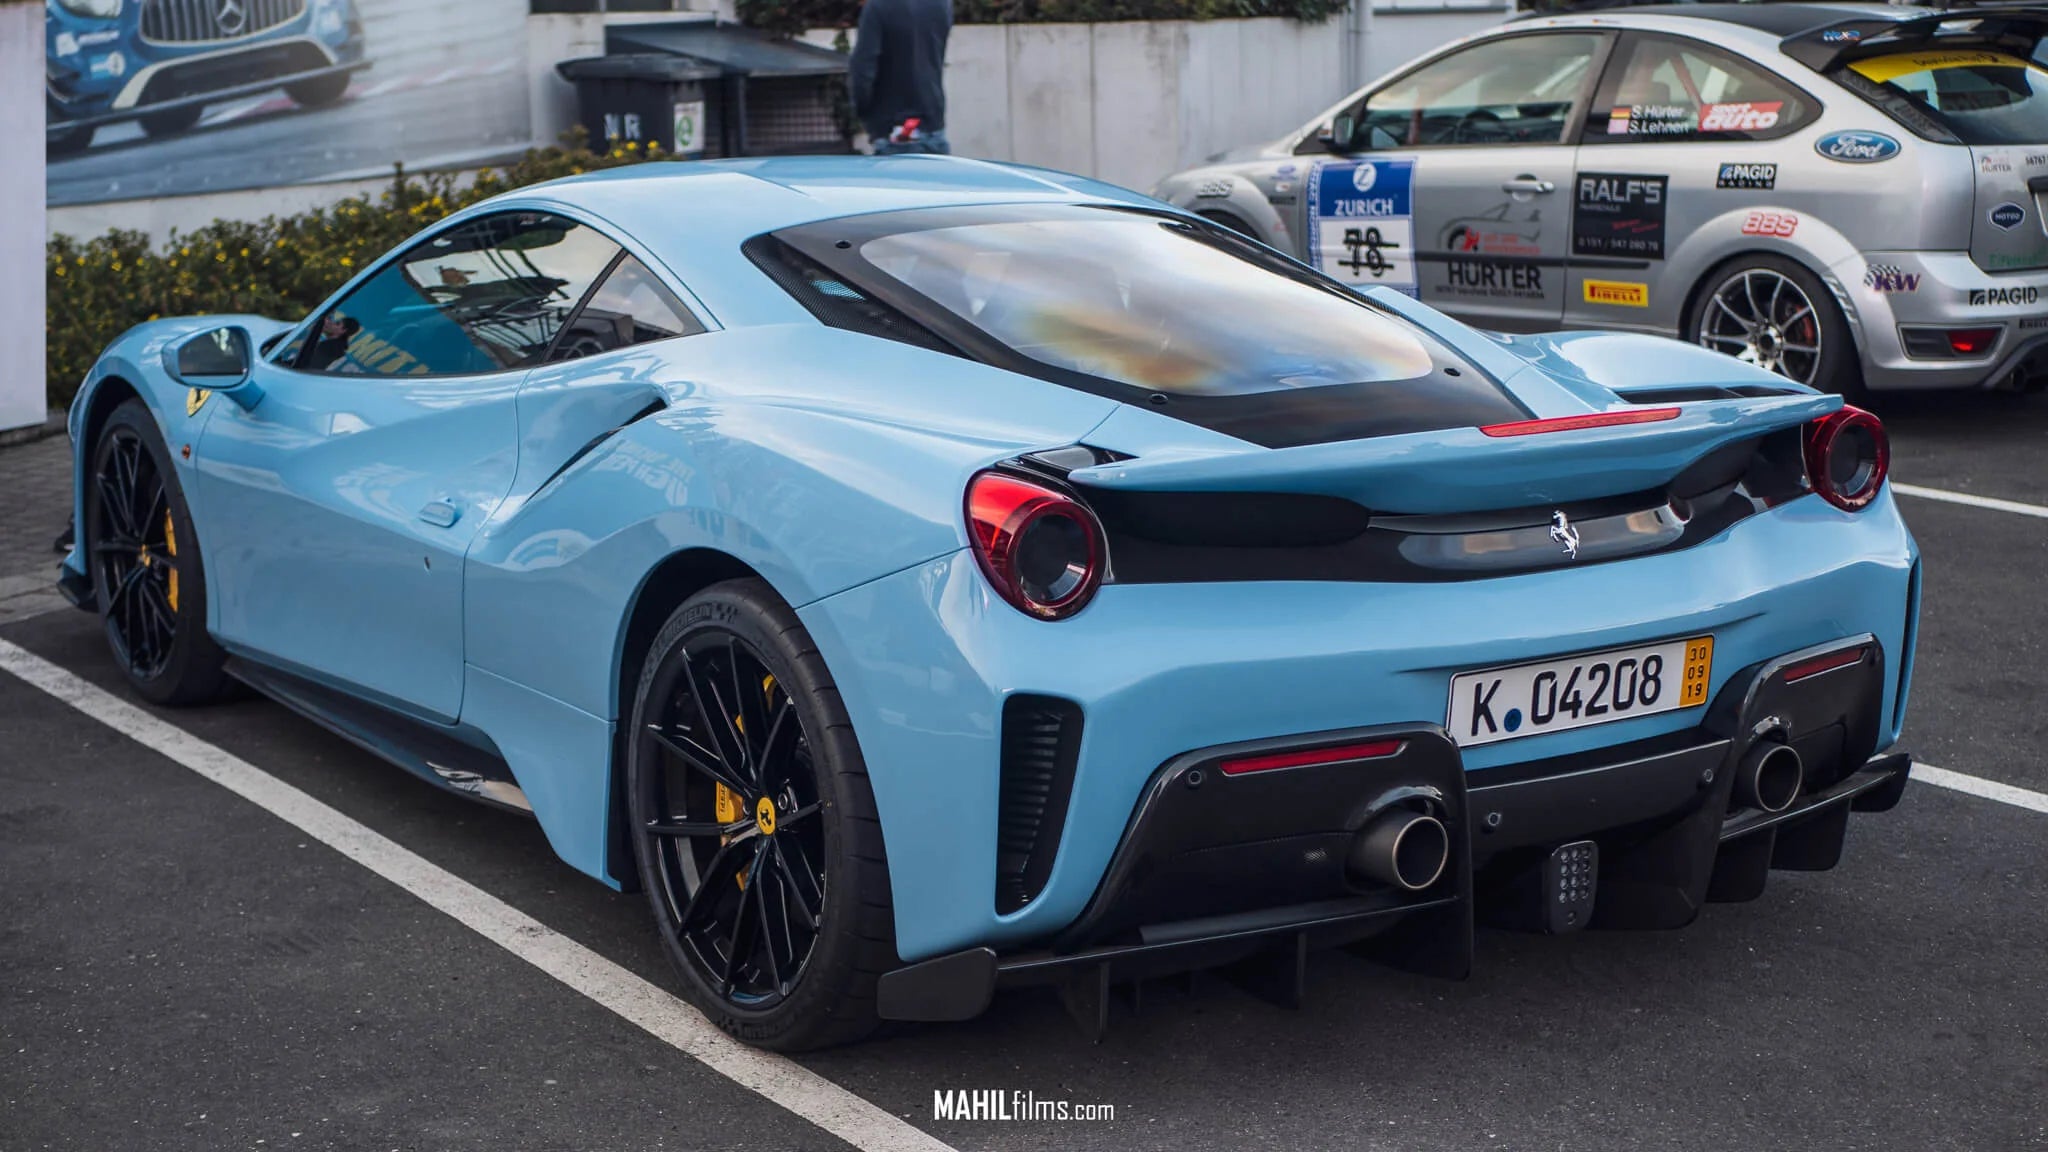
[
  {"x": 2015, "y": 304},
  {"x": 1216, "y": 869}
]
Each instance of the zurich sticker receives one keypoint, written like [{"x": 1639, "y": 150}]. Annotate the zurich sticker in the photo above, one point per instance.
[{"x": 1857, "y": 147}]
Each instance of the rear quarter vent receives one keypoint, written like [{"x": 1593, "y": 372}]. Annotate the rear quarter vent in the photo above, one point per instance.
[{"x": 1041, "y": 744}]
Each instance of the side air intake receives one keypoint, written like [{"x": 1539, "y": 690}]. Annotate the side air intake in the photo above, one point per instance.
[{"x": 1041, "y": 744}]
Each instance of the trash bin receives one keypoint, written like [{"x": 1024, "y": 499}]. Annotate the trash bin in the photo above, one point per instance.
[{"x": 648, "y": 98}]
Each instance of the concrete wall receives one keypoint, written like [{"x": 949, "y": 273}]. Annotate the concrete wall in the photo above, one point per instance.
[{"x": 21, "y": 215}]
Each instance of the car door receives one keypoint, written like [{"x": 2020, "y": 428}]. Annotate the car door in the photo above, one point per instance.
[
  {"x": 340, "y": 506},
  {"x": 1453, "y": 179},
  {"x": 1679, "y": 134}
]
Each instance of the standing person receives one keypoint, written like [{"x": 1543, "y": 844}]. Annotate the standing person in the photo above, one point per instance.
[{"x": 897, "y": 75}]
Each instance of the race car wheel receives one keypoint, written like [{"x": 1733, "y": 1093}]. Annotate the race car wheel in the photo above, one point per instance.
[
  {"x": 1771, "y": 312},
  {"x": 754, "y": 826},
  {"x": 171, "y": 121},
  {"x": 147, "y": 574},
  {"x": 316, "y": 93}
]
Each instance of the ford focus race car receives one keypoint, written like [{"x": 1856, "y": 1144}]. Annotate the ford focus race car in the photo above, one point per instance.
[
  {"x": 922, "y": 576},
  {"x": 1844, "y": 194}
]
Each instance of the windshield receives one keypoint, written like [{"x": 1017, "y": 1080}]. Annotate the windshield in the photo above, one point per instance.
[
  {"x": 1982, "y": 97},
  {"x": 1151, "y": 303}
]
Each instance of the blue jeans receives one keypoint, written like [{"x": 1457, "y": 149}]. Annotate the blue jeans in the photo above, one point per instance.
[{"x": 929, "y": 142}]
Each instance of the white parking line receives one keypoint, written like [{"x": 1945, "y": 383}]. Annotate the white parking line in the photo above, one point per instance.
[
  {"x": 1978, "y": 786},
  {"x": 1964, "y": 498},
  {"x": 661, "y": 1014}
]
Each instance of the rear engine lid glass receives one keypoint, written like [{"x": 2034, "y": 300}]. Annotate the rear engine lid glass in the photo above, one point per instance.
[{"x": 1182, "y": 317}]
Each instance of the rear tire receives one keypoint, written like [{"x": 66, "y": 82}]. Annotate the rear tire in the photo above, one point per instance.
[
  {"x": 1772, "y": 312},
  {"x": 148, "y": 576},
  {"x": 780, "y": 924}
]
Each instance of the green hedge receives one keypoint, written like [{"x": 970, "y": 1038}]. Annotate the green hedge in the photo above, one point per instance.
[
  {"x": 281, "y": 266},
  {"x": 790, "y": 17}
]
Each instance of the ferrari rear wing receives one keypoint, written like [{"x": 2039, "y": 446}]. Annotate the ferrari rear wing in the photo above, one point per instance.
[
  {"x": 1471, "y": 469},
  {"x": 2015, "y": 27}
]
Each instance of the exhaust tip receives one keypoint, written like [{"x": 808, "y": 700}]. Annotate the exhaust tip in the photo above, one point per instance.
[
  {"x": 1770, "y": 777},
  {"x": 1407, "y": 850}
]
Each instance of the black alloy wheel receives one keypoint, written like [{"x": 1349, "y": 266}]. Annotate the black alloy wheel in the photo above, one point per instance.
[{"x": 753, "y": 824}]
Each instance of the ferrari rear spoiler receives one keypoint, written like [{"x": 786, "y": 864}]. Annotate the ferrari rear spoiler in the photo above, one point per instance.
[
  {"x": 1468, "y": 469},
  {"x": 2015, "y": 27}
]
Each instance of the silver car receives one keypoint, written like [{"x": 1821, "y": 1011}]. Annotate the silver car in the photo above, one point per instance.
[{"x": 1852, "y": 195}]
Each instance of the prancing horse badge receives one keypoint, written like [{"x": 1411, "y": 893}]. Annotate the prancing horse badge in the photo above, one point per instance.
[{"x": 1561, "y": 530}]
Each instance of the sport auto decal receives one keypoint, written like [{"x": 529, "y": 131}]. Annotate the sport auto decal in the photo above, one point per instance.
[
  {"x": 1746, "y": 117},
  {"x": 1985, "y": 297},
  {"x": 1889, "y": 278},
  {"x": 2008, "y": 215},
  {"x": 1619, "y": 292},
  {"x": 1747, "y": 176},
  {"x": 1362, "y": 229},
  {"x": 1760, "y": 223},
  {"x": 1857, "y": 147},
  {"x": 1619, "y": 214},
  {"x": 1493, "y": 279}
]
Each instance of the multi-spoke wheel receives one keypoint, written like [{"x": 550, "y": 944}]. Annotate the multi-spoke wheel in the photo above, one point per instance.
[
  {"x": 146, "y": 569},
  {"x": 1770, "y": 312},
  {"x": 754, "y": 824}
]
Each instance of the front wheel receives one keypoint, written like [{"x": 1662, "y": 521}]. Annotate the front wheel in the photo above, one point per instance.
[
  {"x": 319, "y": 91},
  {"x": 171, "y": 121},
  {"x": 1771, "y": 312},
  {"x": 148, "y": 576},
  {"x": 754, "y": 825}
]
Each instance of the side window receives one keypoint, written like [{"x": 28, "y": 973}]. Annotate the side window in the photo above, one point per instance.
[
  {"x": 1514, "y": 90},
  {"x": 632, "y": 306},
  {"x": 1669, "y": 89},
  {"x": 484, "y": 296}
]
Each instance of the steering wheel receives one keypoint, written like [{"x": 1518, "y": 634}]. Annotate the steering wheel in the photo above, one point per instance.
[{"x": 1477, "y": 127}]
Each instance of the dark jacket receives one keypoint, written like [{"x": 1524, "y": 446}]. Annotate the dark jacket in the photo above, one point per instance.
[{"x": 898, "y": 66}]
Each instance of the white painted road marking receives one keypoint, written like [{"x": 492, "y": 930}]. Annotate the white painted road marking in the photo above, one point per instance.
[
  {"x": 1978, "y": 786},
  {"x": 1965, "y": 498},
  {"x": 661, "y": 1014}
]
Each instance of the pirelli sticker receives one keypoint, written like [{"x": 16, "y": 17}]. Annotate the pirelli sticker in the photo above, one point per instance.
[{"x": 1623, "y": 293}]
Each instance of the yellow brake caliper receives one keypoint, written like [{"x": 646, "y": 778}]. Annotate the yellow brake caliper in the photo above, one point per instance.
[
  {"x": 171, "y": 550},
  {"x": 725, "y": 802}
]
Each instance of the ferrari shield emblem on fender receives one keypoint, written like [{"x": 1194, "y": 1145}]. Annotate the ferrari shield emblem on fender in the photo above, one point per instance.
[
  {"x": 195, "y": 399},
  {"x": 1561, "y": 530}
]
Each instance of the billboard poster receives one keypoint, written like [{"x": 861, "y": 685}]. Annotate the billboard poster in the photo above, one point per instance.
[{"x": 151, "y": 98}]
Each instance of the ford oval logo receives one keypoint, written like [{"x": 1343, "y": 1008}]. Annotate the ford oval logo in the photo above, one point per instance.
[{"x": 1857, "y": 147}]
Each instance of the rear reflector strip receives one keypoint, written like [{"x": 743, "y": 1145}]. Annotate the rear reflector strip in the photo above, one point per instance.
[
  {"x": 1574, "y": 423},
  {"x": 1370, "y": 750},
  {"x": 1810, "y": 668}
]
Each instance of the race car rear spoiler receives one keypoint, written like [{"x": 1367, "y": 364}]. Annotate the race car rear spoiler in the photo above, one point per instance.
[{"x": 2014, "y": 27}]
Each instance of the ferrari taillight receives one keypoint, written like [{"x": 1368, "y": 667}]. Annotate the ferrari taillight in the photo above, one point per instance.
[
  {"x": 1040, "y": 548},
  {"x": 1847, "y": 455}
]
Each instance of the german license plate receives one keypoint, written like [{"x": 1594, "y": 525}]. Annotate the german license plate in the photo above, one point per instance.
[{"x": 1579, "y": 691}]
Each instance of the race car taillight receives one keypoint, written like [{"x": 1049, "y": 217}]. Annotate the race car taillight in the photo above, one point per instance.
[
  {"x": 1041, "y": 549},
  {"x": 1847, "y": 455}
]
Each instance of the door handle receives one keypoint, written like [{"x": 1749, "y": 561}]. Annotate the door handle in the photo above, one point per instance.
[
  {"x": 1528, "y": 184},
  {"x": 440, "y": 514}
]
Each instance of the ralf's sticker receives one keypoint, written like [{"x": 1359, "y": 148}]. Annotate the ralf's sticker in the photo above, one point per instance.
[
  {"x": 1617, "y": 292},
  {"x": 1619, "y": 214},
  {"x": 1361, "y": 229},
  {"x": 1762, "y": 223},
  {"x": 1890, "y": 278}
]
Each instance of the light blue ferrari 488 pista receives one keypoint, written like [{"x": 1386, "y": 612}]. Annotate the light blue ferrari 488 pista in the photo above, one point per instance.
[{"x": 923, "y": 576}]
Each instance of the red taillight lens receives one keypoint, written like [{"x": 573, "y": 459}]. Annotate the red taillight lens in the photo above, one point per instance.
[
  {"x": 1820, "y": 664},
  {"x": 1971, "y": 341},
  {"x": 1369, "y": 750},
  {"x": 1847, "y": 455},
  {"x": 1039, "y": 547},
  {"x": 1575, "y": 423}
]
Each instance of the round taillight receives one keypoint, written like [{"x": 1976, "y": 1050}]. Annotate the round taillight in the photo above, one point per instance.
[
  {"x": 1847, "y": 455},
  {"x": 1039, "y": 547}
]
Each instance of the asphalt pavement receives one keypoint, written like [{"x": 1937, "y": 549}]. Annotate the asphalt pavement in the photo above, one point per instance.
[
  {"x": 446, "y": 86},
  {"x": 185, "y": 970}
]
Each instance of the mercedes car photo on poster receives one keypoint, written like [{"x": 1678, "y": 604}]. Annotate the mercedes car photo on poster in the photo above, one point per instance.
[
  {"x": 1849, "y": 195},
  {"x": 923, "y": 576},
  {"x": 161, "y": 62}
]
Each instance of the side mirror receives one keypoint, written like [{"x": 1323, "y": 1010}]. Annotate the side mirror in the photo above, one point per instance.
[
  {"x": 1337, "y": 137},
  {"x": 220, "y": 360}
]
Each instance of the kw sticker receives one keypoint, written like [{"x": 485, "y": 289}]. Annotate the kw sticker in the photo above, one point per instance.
[
  {"x": 1617, "y": 292},
  {"x": 1362, "y": 227},
  {"x": 1890, "y": 278}
]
